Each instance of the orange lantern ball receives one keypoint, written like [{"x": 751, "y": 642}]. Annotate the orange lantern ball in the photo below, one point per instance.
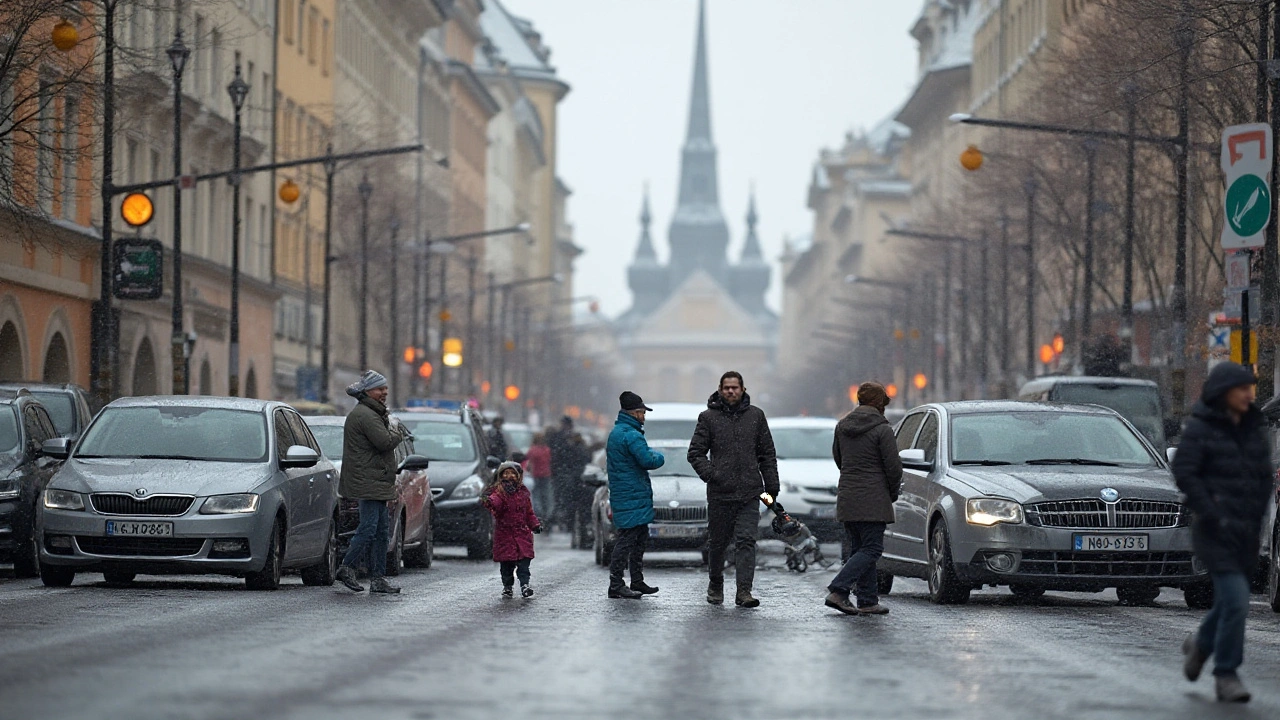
[
  {"x": 971, "y": 159},
  {"x": 1046, "y": 354},
  {"x": 136, "y": 209},
  {"x": 290, "y": 192},
  {"x": 425, "y": 370},
  {"x": 65, "y": 36},
  {"x": 921, "y": 381},
  {"x": 511, "y": 393},
  {"x": 891, "y": 390}
]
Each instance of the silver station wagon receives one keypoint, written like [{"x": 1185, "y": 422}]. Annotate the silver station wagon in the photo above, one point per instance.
[
  {"x": 160, "y": 485},
  {"x": 1037, "y": 497}
]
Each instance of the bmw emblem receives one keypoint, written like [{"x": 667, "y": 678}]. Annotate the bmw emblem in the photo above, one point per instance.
[
  {"x": 674, "y": 504},
  {"x": 140, "y": 492},
  {"x": 1110, "y": 495}
]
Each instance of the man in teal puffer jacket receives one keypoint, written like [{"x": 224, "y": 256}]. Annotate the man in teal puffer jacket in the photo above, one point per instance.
[{"x": 630, "y": 496}]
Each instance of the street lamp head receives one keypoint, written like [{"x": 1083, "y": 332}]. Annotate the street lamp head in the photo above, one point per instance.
[
  {"x": 289, "y": 192},
  {"x": 960, "y": 117},
  {"x": 238, "y": 89},
  {"x": 178, "y": 53},
  {"x": 850, "y": 279},
  {"x": 65, "y": 36},
  {"x": 971, "y": 159},
  {"x": 365, "y": 188},
  {"x": 524, "y": 227}
]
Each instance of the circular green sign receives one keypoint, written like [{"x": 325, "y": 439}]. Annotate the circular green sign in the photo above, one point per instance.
[{"x": 1248, "y": 205}]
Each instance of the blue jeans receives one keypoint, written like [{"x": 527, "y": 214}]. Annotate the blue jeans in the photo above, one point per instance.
[
  {"x": 1222, "y": 631},
  {"x": 370, "y": 540},
  {"x": 859, "y": 572}
]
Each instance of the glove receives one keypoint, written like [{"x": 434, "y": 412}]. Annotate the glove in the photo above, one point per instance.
[{"x": 537, "y": 530}]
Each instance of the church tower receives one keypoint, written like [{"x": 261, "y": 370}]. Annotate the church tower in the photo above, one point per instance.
[
  {"x": 646, "y": 276},
  {"x": 749, "y": 279}
]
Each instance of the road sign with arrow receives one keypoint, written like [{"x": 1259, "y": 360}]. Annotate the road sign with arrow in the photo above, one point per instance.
[
  {"x": 1246, "y": 162},
  {"x": 139, "y": 269}
]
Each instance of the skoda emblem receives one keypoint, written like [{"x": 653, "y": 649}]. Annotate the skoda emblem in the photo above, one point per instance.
[
  {"x": 674, "y": 504},
  {"x": 140, "y": 492},
  {"x": 1110, "y": 495}
]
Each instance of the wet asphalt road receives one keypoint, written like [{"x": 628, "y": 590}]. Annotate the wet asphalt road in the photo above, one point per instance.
[{"x": 450, "y": 647}]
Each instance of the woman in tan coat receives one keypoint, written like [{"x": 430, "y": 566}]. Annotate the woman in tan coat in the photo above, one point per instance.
[{"x": 866, "y": 452}]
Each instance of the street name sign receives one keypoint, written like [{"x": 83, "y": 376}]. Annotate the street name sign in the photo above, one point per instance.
[
  {"x": 1246, "y": 163},
  {"x": 139, "y": 269},
  {"x": 1237, "y": 271}
]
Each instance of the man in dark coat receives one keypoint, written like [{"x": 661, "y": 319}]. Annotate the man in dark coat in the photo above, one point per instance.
[
  {"x": 1223, "y": 466},
  {"x": 866, "y": 452},
  {"x": 568, "y": 460},
  {"x": 369, "y": 476},
  {"x": 498, "y": 440},
  {"x": 742, "y": 465}
]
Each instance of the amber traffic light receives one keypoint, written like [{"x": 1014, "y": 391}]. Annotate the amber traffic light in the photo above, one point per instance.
[
  {"x": 512, "y": 393},
  {"x": 920, "y": 381},
  {"x": 136, "y": 209},
  {"x": 971, "y": 158},
  {"x": 452, "y": 355}
]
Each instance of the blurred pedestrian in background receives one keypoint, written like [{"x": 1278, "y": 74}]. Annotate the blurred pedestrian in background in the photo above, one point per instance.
[
  {"x": 498, "y": 446},
  {"x": 514, "y": 524},
  {"x": 537, "y": 464}
]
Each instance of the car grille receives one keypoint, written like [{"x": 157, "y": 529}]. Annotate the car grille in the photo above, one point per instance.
[
  {"x": 138, "y": 546},
  {"x": 1125, "y": 514},
  {"x": 121, "y": 504},
  {"x": 684, "y": 513},
  {"x": 1107, "y": 564}
]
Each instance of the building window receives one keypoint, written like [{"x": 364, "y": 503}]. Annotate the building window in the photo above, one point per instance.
[
  {"x": 215, "y": 66},
  {"x": 288, "y": 24},
  {"x": 44, "y": 148},
  {"x": 159, "y": 25},
  {"x": 70, "y": 153},
  {"x": 196, "y": 63},
  {"x": 313, "y": 27},
  {"x": 302, "y": 19},
  {"x": 326, "y": 60}
]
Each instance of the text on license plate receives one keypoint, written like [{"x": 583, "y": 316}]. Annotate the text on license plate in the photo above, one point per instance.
[
  {"x": 1136, "y": 543},
  {"x": 141, "y": 529},
  {"x": 670, "y": 531}
]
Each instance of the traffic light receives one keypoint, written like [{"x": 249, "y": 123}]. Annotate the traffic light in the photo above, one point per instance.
[
  {"x": 512, "y": 393},
  {"x": 136, "y": 209},
  {"x": 425, "y": 370},
  {"x": 452, "y": 355},
  {"x": 921, "y": 381}
]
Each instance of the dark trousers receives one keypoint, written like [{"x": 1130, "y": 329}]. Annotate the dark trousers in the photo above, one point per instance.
[
  {"x": 370, "y": 541},
  {"x": 1222, "y": 631},
  {"x": 515, "y": 568},
  {"x": 628, "y": 552},
  {"x": 734, "y": 520},
  {"x": 866, "y": 540},
  {"x": 542, "y": 499}
]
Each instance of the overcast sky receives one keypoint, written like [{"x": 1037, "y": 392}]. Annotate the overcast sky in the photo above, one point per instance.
[{"x": 788, "y": 77}]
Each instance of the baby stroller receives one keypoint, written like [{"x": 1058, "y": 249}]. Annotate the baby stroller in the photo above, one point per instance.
[{"x": 801, "y": 547}]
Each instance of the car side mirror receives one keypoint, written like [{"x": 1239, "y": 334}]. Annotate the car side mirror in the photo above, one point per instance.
[
  {"x": 413, "y": 463},
  {"x": 1169, "y": 453},
  {"x": 299, "y": 456},
  {"x": 57, "y": 448},
  {"x": 594, "y": 476},
  {"x": 914, "y": 459},
  {"x": 492, "y": 462}
]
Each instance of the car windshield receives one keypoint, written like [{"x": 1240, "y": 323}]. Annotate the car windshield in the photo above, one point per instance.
[
  {"x": 1139, "y": 404},
  {"x": 448, "y": 441},
  {"x": 9, "y": 432},
  {"x": 61, "y": 410},
  {"x": 657, "y": 429},
  {"x": 176, "y": 432},
  {"x": 1047, "y": 438},
  {"x": 330, "y": 439},
  {"x": 677, "y": 462},
  {"x": 803, "y": 443}
]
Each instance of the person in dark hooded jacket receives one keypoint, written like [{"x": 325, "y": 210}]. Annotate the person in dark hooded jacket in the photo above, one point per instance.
[
  {"x": 866, "y": 452},
  {"x": 1223, "y": 467}
]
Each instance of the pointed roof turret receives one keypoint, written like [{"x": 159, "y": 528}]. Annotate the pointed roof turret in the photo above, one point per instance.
[
  {"x": 751, "y": 251},
  {"x": 700, "y": 97},
  {"x": 645, "y": 251}
]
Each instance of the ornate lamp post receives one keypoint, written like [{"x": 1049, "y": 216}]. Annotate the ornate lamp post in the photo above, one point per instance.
[
  {"x": 178, "y": 53},
  {"x": 238, "y": 89},
  {"x": 366, "y": 191}
]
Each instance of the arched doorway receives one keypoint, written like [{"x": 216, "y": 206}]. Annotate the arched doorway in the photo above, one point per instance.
[
  {"x": 10, "y": 353},
  {"x": 206, "y": 378},
  {"x": 251, "y": 384},
  {"x": 57, "y": 364},
  {"x": 144, "y": 369}
]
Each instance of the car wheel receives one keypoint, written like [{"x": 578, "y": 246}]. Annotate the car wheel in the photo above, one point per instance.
[
  {"x": 1138, "y": 595},
  {"x": 395, "y": 550},
  {"x": 597, "y": 543},
  {"x": 582, "y": 529},
  {"x": 54, "y": 576},
  {"x": 420, "y": 557},
  {"x": 884, "y": 582},
  {"x": 1273, "y": 577},
  {"x": 268, "y": 578},
  {"x": 322, "y": 574},
  {"x": 944, "y": 587},
  {"x": 480, "y": 548},
  {"x": 118, "y": 578},
  {"x": 1199, "y": 596}
]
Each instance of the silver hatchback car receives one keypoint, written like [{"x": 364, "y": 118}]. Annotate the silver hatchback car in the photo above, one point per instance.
[
  {"x": 160, "y": 485},
  {"x": 1037, "y": 497}
]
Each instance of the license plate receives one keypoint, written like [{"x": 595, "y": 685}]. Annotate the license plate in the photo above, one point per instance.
[
  {"x": 824, "y": 512},
  {"x": 1135, "y": 543},
  {"x": 139, "y": 529},
  {"x": 676, "y": 531}
]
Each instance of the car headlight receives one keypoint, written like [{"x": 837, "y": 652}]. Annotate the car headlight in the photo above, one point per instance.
[
  {"x": 230, "y": 504},
  {"x": 467, "y": 489},
  {"x": 990, "y": 511},
  {"x": 63, "y": 500},
  {"x": 10, "y": 487}
]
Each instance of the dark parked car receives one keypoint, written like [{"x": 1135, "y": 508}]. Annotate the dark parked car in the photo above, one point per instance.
[
  {"x": 68, "y": 404},
  {"x": 411, "y": 537},
  {"x": 454, "y": 442},
  {"x": 24, "y": 473}
]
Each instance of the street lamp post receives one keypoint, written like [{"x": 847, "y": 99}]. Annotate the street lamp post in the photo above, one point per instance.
[
  {"x": 1029, "y": 186},
  {"x": 178, "y": 53},
  {"x": 104, "y": 325},
  {"x": 1086, "y": 315},
  {"x": 238, "y": 89},
  {"x": 1130, "y": 227},
  {"x": 1006, "y": 319},
  {"x": 366, "y": 191},
  {"x": 1179, "y": 384},
  {"x": 393, "y": 313}
]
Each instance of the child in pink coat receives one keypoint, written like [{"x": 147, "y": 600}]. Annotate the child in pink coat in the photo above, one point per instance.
[{"x": 514, "y": 525}]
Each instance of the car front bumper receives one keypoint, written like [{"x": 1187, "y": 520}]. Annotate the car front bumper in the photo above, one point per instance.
[
  {"x": 189, "y": 550},
  {"x": 1046, "y": 557},
  {"x": 458, "y": 521}
]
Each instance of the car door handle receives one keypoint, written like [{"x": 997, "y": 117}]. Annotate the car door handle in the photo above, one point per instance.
[{"x": 311, "y": 480}]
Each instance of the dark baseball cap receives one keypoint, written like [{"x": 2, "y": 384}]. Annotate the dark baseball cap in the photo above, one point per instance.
[{"x": 631, "y": 401}]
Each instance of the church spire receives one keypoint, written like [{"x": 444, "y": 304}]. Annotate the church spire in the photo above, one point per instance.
[
  {"x": 700, "y": 98},
  {"x": 645, "y": 251},
  {"x": 751, "y": 251}
]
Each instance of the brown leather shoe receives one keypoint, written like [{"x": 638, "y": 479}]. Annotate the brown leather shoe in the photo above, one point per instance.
[
  {"x": 876, "y": 609},
  {"x": 745, "y": 599},
  {"x": 836, "y": 601}
]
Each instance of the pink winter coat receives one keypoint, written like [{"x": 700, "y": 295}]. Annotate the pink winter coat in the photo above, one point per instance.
[{"x": 513, "y": 523}]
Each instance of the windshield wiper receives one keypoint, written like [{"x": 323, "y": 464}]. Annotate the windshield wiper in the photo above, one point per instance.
[
  {"x": 1071, "y": 461},
  {"x": 168, "y": 457},
  {"x": 981, "y": 462}
]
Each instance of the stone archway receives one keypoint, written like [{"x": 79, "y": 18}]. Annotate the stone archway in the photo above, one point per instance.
[
  {"x": 206, "y": 378},
  {"x": 251, "y": 384},
  {"x": 144, "y": 369},
  {"x": 10, "y": 353},
  {"x": 57, "y": 361}
]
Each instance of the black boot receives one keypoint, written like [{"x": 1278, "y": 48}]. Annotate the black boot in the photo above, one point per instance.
[
  {"x": 347, "y": 577},
  {"x": 380, "y": 585},
  {"x": 641, "y": 587},
  {"x": 618, "y": 590}
]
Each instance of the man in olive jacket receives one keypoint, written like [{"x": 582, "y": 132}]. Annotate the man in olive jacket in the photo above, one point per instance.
[
  {"x": 742, "y": 465},
  {"x": 369, "y": 476},
  {"x": 866, "y": 452}
]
